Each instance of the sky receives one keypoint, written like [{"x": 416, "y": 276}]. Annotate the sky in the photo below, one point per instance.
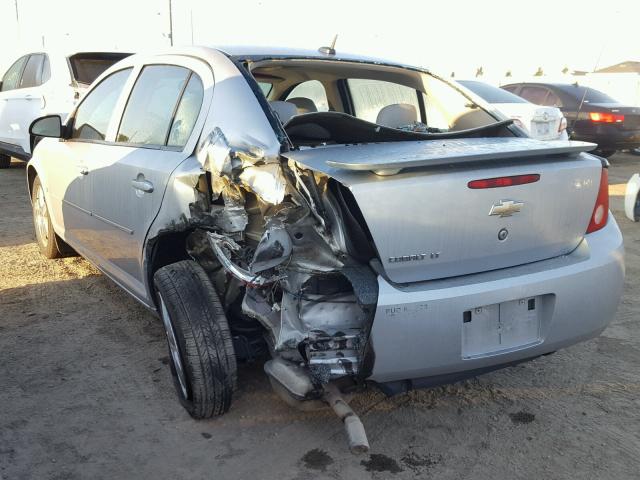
[{"x": 447, "y": 36}]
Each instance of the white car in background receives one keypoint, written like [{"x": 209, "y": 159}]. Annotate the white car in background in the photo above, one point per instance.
[
  {"x": 542, "y": 123},
  {"x": 40, "y": 84}
]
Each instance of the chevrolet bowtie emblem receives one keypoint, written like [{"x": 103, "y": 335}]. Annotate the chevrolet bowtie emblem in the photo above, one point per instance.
[{"x": 506, "y": 208}]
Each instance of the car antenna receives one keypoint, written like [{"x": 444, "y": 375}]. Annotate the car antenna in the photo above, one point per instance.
[
  {"x": 329, "y": 50},
  {"x": 584, "y": 94}
]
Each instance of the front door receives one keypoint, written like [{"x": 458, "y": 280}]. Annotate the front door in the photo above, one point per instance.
[{"x": 71, "y": 182}]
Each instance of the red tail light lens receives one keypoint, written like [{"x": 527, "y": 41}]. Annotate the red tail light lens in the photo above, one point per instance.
[
  {"x": 603, "y": 117},
  {"x": 600, "y": 213},
  {"x": 504, "y": 181}
]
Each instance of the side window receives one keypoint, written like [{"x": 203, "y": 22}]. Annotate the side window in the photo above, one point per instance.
[
  {"x": 535, "y": 95},
  {"x": 11, "y": 79},
  {"x": 510, "y": 88},
  {"x": 310, "y": 90},
  {"x": 371, "y": 96},
  {"x": 552, "y": 100},
  {"x": 32, "y": 75},
  {"x": 94, "y": 113},
  {"x": 150, "y": 110},
  {"x": 187, "y": 113}
]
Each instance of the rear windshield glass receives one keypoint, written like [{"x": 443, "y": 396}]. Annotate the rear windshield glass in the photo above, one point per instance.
[
  {"x": 491, "y": 94},
  {"x": 86, "y": 67},
  {"x": 592, "y": 96}
]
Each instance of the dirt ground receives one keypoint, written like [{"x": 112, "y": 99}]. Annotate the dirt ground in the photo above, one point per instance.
[{"x": 86, "y": 392}]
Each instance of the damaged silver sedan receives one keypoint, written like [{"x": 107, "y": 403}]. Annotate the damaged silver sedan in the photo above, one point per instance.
[{"x": 358, "y": 221}]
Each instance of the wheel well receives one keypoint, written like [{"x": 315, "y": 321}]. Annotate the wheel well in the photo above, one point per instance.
[
  {"x": 165, "y": 249},
  {"x": 31, "y": 176}
]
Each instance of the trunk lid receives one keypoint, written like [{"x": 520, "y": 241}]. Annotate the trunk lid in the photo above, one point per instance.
[
  {"x": 87, "y": 66},
  {"x": 427, "y": 223}
]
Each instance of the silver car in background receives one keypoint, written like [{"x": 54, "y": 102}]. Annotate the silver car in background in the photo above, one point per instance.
[{"x": 359, "y": 220}]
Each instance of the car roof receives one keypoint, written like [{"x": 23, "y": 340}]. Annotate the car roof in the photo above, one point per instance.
[
  {"x": 566, "y": 87},
  {"x": 262, "y": 52},
  {"x": 259, "y": 53}
]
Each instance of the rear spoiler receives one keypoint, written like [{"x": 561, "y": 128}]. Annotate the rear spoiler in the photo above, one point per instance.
[{"x": 390, "y": 158}]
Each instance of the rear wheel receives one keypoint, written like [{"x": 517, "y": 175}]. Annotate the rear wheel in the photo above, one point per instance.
[
  {"x": 202, "y": 358},
  {"x": 5, "y": 161},
  {"x": 45, "y": 236}
]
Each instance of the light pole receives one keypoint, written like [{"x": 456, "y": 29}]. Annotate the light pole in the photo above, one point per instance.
[
  {"x": 170, "y": 25},
  {"x": 15, "y": 3}
]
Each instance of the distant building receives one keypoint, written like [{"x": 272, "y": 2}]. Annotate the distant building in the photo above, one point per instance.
[
  {"x": 624, "y": 67},
  {"x": 621, "y": 81}
]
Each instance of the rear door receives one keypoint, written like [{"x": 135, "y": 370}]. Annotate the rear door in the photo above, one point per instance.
[{"x": 158, "y": 130}]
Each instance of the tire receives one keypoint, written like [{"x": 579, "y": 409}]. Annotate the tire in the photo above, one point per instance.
[
  {"x": 46, "y": 238},
  {"x": 202, "y": 358},
  {"x": 5, "y": 161}
]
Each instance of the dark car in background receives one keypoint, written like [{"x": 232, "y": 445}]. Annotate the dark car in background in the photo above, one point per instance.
[{"x": 592, "y": 116}]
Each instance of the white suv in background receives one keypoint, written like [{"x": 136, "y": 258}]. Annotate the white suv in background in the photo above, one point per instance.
[{"x": 39, "y": 84}]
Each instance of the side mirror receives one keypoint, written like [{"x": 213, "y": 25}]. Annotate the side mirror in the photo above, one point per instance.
[{"x": 49, "y": 126}]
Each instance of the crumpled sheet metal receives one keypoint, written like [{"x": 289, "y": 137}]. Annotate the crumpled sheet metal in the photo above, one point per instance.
[{"x": 247, "y": 165}]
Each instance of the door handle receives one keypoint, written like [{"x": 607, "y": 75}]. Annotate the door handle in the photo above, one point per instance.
[
  {"x": 29, "y": 97},
  {"x": 142, "y": 185}
]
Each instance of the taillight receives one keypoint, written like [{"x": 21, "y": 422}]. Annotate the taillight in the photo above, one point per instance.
[
  {"x": 600, "y": 213},
  {"x": 504, "y": 181},
  {"x": 603, "y": 117}
]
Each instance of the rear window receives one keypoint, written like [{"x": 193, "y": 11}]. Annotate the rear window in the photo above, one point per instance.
[
  {"x": 491, "y": 94},
  {"x": 591, "y": 96},
  {"x": 86, "y": 67}
]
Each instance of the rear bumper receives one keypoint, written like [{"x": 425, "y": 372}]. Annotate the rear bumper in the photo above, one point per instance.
[
  {"x": 417, "y": 330},
  {"x": 610, "y": 138}
]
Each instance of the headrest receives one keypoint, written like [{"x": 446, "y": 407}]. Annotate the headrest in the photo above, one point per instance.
[
  {"x": 305, "y": 105},
  {"x": 397, "y": 115},
  {"x": 284, "y": 110}
]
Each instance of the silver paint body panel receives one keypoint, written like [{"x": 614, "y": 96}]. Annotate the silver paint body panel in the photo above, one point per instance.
[
  {"x": 418, "y": 329},
  {"x": 430, "y": 214}
]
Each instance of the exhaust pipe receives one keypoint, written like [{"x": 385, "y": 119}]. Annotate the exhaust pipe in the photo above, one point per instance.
[
  {"x": 292, "y": 383},
  {"x": 356, "y": 435}
]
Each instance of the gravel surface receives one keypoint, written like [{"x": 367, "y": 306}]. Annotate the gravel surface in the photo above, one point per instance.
[{"x": 86, "y": 392}]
